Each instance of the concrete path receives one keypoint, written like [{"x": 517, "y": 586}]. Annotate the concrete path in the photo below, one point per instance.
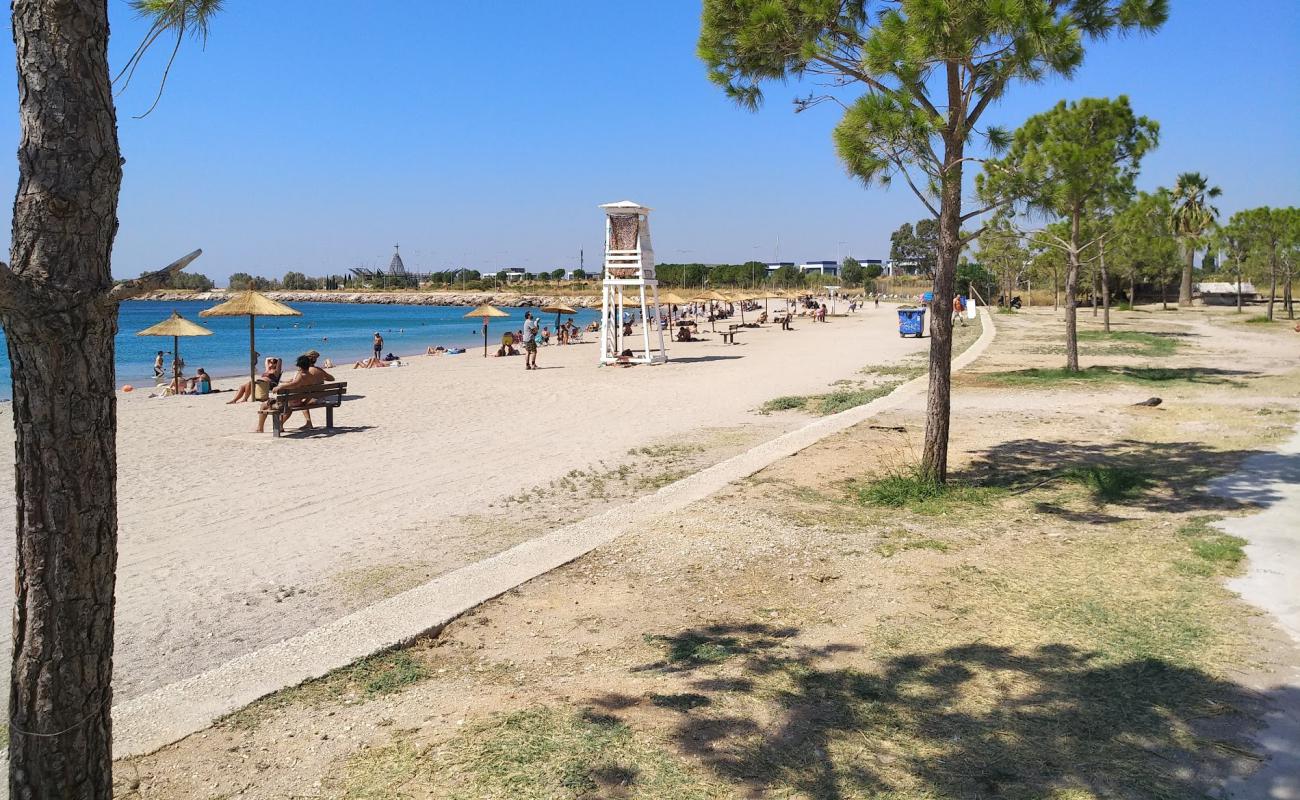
[
  {"x": 166, "y": 715},
  {"x": 1272, "y": 582}
]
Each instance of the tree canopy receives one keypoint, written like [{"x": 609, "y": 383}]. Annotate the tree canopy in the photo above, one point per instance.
[{"x": 926, "y": 70}]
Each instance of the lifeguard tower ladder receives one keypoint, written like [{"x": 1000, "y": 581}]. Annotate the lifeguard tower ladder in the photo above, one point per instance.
[{"x": 629, "y": 271}]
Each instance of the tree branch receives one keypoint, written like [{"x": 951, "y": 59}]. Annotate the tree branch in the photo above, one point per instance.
[{"x": 153, "y": 280}]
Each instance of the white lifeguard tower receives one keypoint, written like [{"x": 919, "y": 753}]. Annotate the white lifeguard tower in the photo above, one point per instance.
[{"x": 629, "y": 272}]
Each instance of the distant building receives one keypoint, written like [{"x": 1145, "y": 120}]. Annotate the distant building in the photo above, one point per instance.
[
  {"x": 774, "y": 267},
  {"x": 515, "y": 273},
  {"x": 1216, "y": 293},
  {"x": 820, "y": 267},
  {"x": 896, "y": 268}
]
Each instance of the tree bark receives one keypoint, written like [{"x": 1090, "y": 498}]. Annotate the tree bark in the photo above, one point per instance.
[
  {"x": 59, "y": 324},
  {"x": 1096, "y": 290},
  {"x": 934, "y": 457},
  {"x": 1105, "y": 286},
  {"x": 1272, "y": 291},
  {"x": 1056, "y": 289},
  {"x": 1072, "y": 299},
  {"x": 1286, "y": 297},
  {"x": 1238, "y": 285},
  {"x": 1185, "y": 287}
]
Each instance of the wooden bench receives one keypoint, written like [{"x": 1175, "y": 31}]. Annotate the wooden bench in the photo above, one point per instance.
[
  {"x": 730, "y": 336},
  {"x": 308, "y": 398}
]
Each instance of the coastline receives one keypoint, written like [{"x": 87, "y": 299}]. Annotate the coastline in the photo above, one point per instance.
[{"x": 407, "y": 298}]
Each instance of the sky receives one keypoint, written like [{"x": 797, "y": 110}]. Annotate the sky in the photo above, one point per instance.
[{"x": 313, "y": 135}]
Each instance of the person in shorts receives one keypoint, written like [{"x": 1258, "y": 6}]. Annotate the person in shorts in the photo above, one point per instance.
[{"x": 530, "y": 340}]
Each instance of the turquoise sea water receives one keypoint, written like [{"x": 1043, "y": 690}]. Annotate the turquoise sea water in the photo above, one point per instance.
[{"x": 340, "y": 331}]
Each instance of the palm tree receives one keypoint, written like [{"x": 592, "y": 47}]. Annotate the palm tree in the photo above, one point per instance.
[{"x": 1193, "y": 217}]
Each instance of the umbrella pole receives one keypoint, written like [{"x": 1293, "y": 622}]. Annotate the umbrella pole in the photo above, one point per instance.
[
  {"x": 176, "y": 360},
  {"x": 485, "y": 337},
  {"x": 252, "y": 357}
]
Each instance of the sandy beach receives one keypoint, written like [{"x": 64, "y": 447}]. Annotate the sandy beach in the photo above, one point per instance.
[{"x": 231, "y": 540}]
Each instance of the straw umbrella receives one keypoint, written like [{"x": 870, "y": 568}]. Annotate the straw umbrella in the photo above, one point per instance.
[
  {"x": 486, "y": 312},
  {"x": 712, "y": 296},
  {"x": 557, "y": 310},
  {"x": 252, "y": 305},
  {"x": 175, "y": 326},
  {"x": 671, "y": 299}
]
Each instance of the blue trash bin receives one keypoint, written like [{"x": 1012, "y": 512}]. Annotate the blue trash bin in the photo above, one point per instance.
[{"x": 911, "y": 322}]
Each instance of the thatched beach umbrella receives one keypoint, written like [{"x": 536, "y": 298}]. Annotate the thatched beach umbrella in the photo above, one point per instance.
[
  {"x": 175, "y": 326},
  {"x": 557, "y": 310},
  {"x": 671, "y": 299},
  {"x": 252, "y": 305},
  {"x": 486, "y": 312},
  {"x": 712, "y": 296}
]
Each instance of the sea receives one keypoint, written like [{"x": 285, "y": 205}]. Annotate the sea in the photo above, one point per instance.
[{"x": 340, "y": 331}]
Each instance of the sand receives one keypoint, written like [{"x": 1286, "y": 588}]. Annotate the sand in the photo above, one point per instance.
[{"x": 231, "y": 540}]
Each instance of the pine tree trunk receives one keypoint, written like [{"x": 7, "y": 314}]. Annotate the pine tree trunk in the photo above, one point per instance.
[
  {"x": 934, "y": 458},
  {"x": 1096, "y": 290},
  {"x": 1072, "y": 299},
  {"x": 1286, "y": 297},
  {"x": 1056, "y": 289},
  {"x": 60, "y": 323},
  {"x": 1185, "y": 287},
  {"x": 1238, "y": 285},
  {"x": 1105, "y": 286},
  {"x": 1272, "y": 291}
]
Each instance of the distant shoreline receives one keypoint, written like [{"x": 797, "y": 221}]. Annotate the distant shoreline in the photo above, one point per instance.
[{"x": 408, "y": 298}]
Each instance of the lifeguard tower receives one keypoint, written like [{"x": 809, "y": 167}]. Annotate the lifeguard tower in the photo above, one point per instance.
[{"x": 629, "y": 272}]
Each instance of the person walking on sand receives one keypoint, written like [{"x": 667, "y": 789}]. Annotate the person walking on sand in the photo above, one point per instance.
[
  {"x": 158, "y": 365},
  {"x": 530, "y": 340},
  {"x": 378, "y": 346}
]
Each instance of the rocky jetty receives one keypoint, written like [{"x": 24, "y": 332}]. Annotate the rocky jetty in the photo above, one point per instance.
[{"x": 407, "y": 298}]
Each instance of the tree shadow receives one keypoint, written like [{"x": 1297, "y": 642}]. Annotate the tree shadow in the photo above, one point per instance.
[
  {"x": 1111, "y": 373},
  {"x": 1179, "y": 476},
  {"x": 969, "y": 721}
]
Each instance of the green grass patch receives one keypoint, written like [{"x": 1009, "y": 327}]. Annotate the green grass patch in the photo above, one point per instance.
[
  {"x": 1132, "y": 342},
  {"x": 1217, "y": 553},
  {"x": 911, "y": 490},
  {"x": 831, "y": 402},
  {"x": 665, "y": 450},
  {"x": 1110, "y": 484},
  {"x": 546, "y": 753},
  {"x": 1257, "y": 319},
  {"x": 375, "y": 676},
  {"x": 902, "y": 541},
  {"x": 1031, "y": 378},
  {"x": 844, "y": 399},
  {"x": 788, "y": 402},
  {"x": 697, "y": 648},
  {"x": 664, "y": 478}
]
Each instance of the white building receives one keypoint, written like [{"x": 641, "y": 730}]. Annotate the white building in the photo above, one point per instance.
[{"x": 820, "y": 267}]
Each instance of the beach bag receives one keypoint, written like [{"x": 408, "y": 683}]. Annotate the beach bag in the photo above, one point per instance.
[{"x": 261, "y": 389}]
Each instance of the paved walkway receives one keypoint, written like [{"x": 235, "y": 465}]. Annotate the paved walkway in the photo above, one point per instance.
[{"x": 1272, "y": 480}]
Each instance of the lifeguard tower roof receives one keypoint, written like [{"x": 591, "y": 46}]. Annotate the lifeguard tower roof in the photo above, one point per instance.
[{"x": 628, "y": 206}]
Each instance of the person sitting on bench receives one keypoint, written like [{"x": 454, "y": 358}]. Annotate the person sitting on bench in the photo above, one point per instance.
[{"x": 304, "y": 379}]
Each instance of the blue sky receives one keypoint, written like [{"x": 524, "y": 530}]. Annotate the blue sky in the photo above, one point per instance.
[{"x": 314, "y": 134}]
